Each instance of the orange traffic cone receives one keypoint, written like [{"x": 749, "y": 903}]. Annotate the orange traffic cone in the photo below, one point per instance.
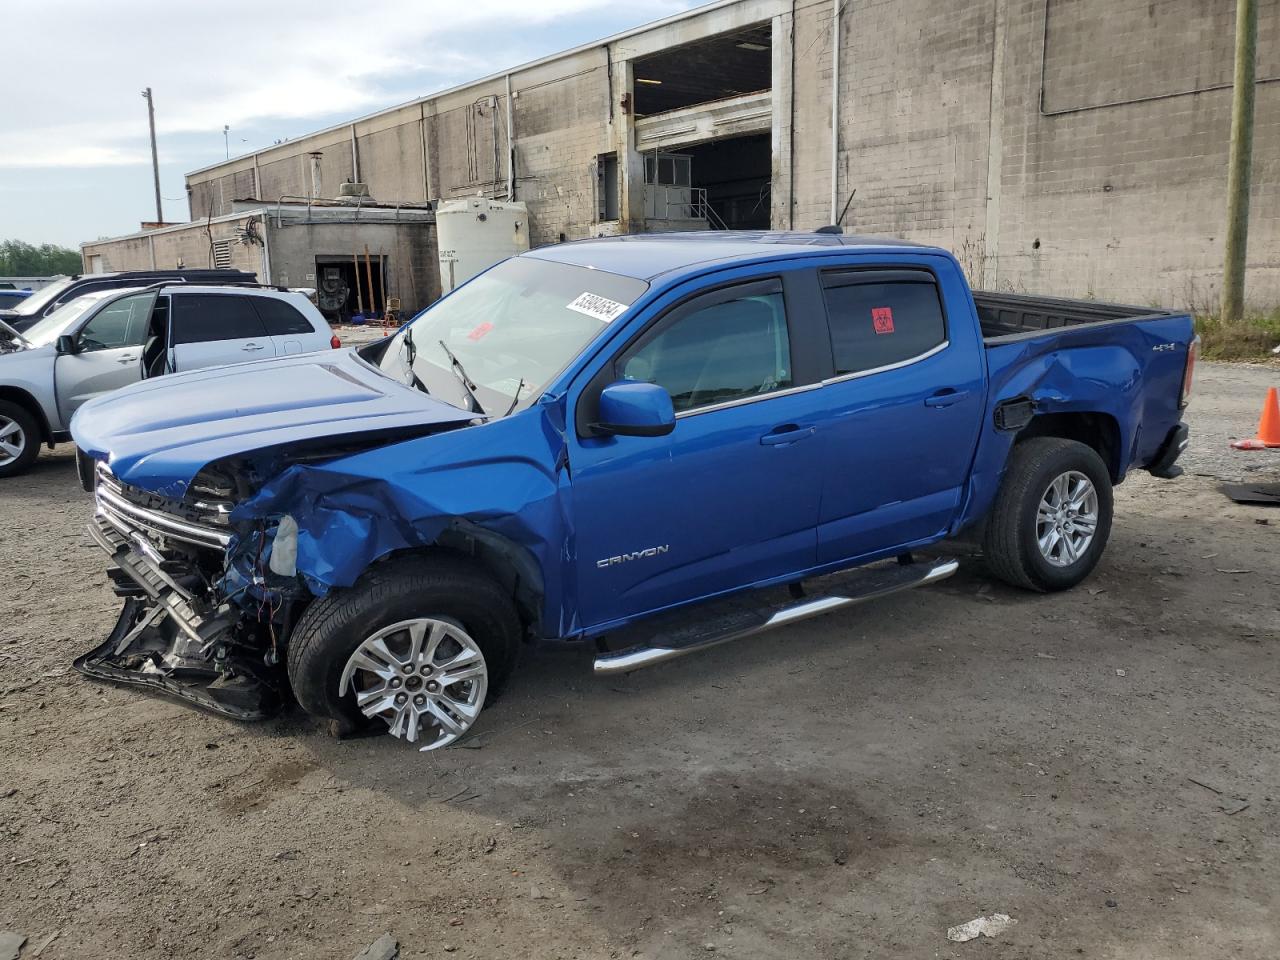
[{"x": 1268, "y": 425}]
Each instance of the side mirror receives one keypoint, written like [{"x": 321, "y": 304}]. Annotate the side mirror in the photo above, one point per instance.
[
  {"x": 66, "y": 344},
  {"x": 631, "y": 408}
]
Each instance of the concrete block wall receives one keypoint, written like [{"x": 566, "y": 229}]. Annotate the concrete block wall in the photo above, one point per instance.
[
  {"x": 1128, "y": 202},
  {"x": 188, "y": 246},
  {"x": 944, "y": 137}
]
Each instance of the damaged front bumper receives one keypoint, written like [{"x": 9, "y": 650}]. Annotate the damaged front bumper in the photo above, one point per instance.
[{"x": 169, "y": 637}]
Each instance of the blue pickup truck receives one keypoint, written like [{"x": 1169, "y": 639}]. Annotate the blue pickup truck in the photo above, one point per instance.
[{"x": 655, "y": 443}]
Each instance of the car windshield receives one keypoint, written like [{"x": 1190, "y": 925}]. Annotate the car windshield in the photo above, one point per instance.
[
  {"x": 55, "y": 324},
  {"x": 41, "y": 298},
  {"x": 500, "y": 339}
]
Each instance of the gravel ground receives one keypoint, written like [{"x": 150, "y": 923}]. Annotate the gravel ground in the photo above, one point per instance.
[{"x": 1102, "y": 765}]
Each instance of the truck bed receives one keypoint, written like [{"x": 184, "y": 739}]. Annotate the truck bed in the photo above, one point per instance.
[{"x": 1009, "y": 316}]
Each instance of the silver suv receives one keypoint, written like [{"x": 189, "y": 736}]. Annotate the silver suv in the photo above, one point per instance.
[{"x": 102, "y": 341}]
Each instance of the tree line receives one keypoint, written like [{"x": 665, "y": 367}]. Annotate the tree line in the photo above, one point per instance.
[{"x": 21, "y": 259}]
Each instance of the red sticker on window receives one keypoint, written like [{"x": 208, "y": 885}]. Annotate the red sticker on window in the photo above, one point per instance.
[
  {"x": 882, "y": 319},
  {"x": 485, "y": 327}
]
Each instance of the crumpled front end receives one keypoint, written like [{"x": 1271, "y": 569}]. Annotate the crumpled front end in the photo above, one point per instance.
[
  {"x": 216, "y": 580},
  {"x": 182, "y": 631}
]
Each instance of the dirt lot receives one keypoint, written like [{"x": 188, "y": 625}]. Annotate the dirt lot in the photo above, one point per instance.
[{"x": 849, "y": 787}]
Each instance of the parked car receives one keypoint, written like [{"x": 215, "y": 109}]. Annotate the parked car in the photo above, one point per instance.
[
  {"x": 108, "y": 339},
  {"x": 47, "y": 299},
  {"x": 12, "y": 297},
  {"x": 648, "y": 442}
]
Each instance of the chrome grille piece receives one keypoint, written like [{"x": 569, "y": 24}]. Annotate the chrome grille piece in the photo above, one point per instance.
[{"x": 116, "y": 507}]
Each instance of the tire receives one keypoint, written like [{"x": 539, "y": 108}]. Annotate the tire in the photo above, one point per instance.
[
  {"x": 1012, "y": 544},
  {"x": 20, "y": 429},
  {"x": 447, "y": 586}
]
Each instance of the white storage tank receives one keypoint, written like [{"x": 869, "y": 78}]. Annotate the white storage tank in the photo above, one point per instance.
[{"x": 475, "y": 233}]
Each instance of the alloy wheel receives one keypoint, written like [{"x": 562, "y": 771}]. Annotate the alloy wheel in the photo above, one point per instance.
[
  {"x": 1067, "y": 518},
  {"x": 13, "y": 441},
  {"x": 426, "y": 677}
]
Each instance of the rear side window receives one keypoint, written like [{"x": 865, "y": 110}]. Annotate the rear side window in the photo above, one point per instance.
[
  {"x": 281, "y": 318},
  {"x": 879, "y": 320},
  {"x": 205, "y": 317}
]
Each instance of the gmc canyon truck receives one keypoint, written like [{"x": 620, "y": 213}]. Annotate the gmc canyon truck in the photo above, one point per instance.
[{"x": 647, "y": 442}]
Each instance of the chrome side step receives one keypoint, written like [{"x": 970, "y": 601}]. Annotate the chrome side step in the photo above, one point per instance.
[{"x": 868, "y": 584}]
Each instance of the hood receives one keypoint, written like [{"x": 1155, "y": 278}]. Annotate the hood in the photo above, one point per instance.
[{"x": 159, "y": 433}]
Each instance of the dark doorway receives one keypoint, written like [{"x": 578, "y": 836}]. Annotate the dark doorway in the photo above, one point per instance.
[
  {"x": 343, "y": 287},
  {"x": 736, "y": 176}
]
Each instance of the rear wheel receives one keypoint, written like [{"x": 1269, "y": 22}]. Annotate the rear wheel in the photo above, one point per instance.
[
  {"x": 416, "y": 645},
  {"x": 1052, "y": 516},
  {"x": 19, "y": 439}
]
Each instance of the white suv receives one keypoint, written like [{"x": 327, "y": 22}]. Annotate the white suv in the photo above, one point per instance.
[{"x": 100, "y": 342}]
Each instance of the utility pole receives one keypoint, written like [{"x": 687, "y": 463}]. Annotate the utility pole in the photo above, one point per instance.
[
  {"x": 155, "y": 160},
  {"x": 1239, "y": 171}
]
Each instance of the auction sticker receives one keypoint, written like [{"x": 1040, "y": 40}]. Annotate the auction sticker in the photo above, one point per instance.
[{"x": 601, "y": 308}]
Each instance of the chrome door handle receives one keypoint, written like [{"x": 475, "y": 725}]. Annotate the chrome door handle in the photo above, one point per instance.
[
  {"x": 127, "y": 360},
  {"x": 253, "y": 346}
]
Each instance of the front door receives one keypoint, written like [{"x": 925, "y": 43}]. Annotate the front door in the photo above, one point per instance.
[
  {"x": 109, "y": 353},
  {"x": 904, "y": 410},
  {"x": 214, "y": 329},
  {"x": 730, "y": 497}
]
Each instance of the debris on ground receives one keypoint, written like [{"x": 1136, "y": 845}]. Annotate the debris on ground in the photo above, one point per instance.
[
  {"x": 1264, "y": 494},
  {"x": 991, "y": 926},
  {"x": 1201, "y": 783},
  {"x": 45, "y": 942},
  {"x": 10, "y": 944},
  {"x": 386, "y": 947}
]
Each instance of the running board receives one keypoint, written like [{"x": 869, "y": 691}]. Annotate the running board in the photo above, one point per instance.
[{"x": 744, "y": 621}]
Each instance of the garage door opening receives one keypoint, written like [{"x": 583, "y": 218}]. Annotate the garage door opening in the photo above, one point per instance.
[
  {"x": 717, "y": 68},
  {"x": 735, "y": 174},
  {"x": 343, "y": 287}
]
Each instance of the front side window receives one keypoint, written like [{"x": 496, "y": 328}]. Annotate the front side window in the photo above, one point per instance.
[
  {"x": 206, "y": 317},
  {"x": 878, "y": 322},
  {"x": 728, "y": 345},
  {"x": 121, "y": 323}
]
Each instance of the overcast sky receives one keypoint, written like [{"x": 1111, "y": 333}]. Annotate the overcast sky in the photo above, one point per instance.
[{"x": 74, "y": 155}]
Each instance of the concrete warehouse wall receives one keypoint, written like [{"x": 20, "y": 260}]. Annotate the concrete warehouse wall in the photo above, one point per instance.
[
  {"x": 188, "y": 246},
  {"x": 1112, "y": 187}
]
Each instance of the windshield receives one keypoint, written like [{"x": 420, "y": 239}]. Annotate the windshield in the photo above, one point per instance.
[
  {"x": 42, "y": 298},
  {"x": 509, "y": 331},
  {"x": 55, "y": 324}
]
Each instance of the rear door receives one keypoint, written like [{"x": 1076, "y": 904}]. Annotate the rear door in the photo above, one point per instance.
[
  {"x": 109, "y": 353},
  {"x": 214, "y": 329},
  {"x": 289, "y": 329},
  {"x": 903, "y": 409}
]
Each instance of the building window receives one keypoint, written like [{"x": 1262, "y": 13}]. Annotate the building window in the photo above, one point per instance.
[{"x": 607, "y": 187}]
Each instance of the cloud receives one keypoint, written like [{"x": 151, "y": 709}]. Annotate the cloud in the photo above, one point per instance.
[{"x": 251, "y": 65}]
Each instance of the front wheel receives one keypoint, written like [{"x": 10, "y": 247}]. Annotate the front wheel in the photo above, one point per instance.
[
  {"x": 417, "y": 645},
  {"x": 1052, "y": 516},
  {"x": 19, "y": 439}
]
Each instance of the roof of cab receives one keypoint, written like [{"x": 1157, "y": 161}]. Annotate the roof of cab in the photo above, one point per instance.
[{"x": 647, "y": 256}]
